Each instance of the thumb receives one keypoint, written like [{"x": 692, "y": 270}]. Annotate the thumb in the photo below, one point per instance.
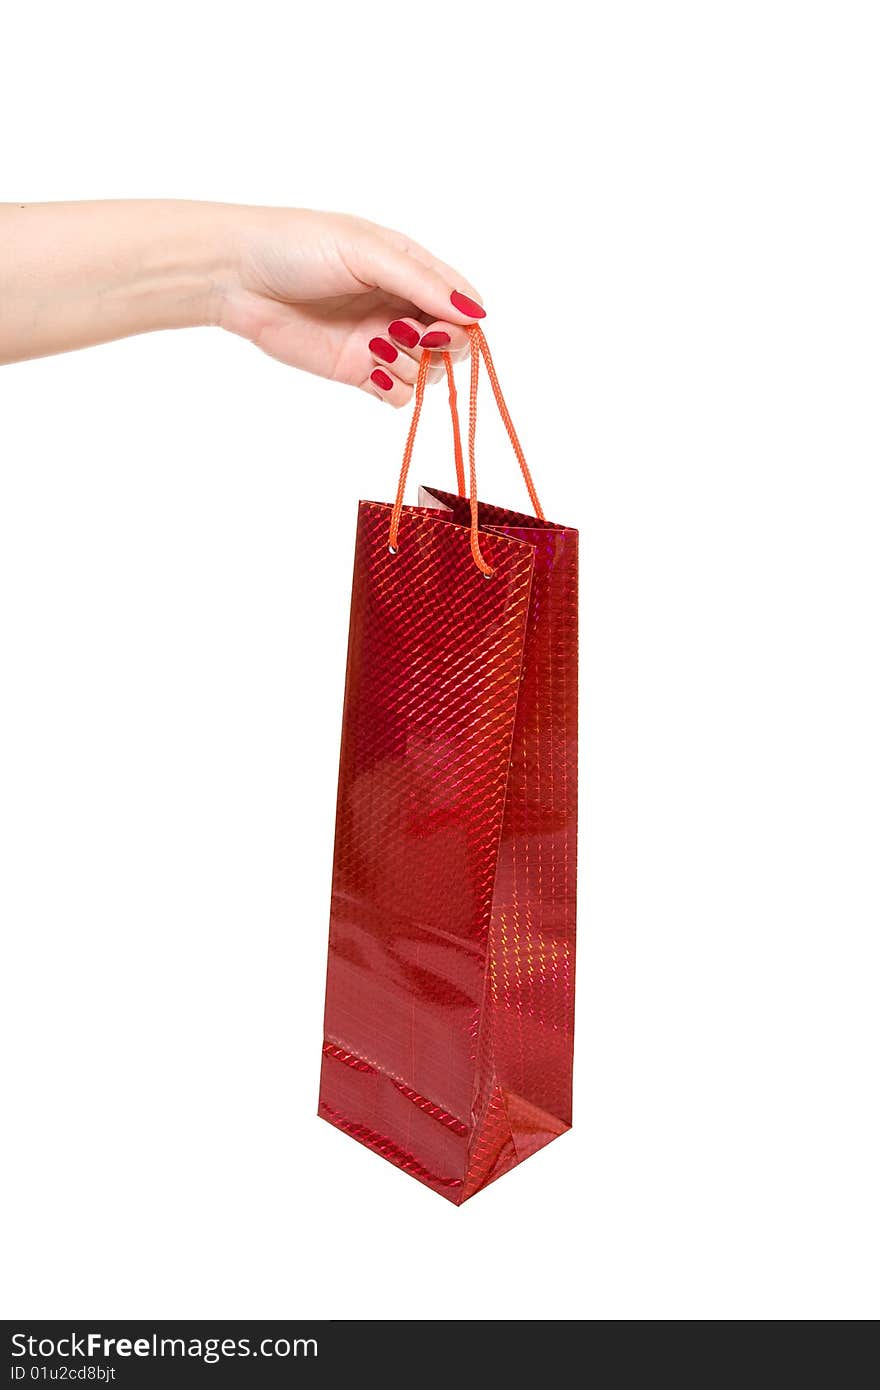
[{"x": 428, "y": 287}]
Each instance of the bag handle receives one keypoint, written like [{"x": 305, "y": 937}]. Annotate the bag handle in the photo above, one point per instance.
[
  {"x": 456, "y": 427},
  {"x": 478, "y": 346}
]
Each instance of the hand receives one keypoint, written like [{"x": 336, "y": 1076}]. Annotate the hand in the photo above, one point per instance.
[
  {"x": 343, "y": 298},
  {"x": 334, "y": 295}
]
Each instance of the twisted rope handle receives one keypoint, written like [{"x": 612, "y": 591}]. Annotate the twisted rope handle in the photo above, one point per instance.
[
  {"x": 456, "y": 427},
  {"x": 478, "y": 346}
]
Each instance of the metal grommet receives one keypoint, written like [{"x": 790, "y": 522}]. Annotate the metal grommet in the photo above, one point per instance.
[
  {"x": 488, "y": 574},
  {"x": 393, "y": 549}
]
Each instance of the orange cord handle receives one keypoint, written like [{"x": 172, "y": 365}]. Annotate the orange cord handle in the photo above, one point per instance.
[
  {"x": 478, "y": 345},
  {"x": 456, "y": 427}
]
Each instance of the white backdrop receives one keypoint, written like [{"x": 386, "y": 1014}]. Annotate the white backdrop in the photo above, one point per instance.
[{"x": 671, "y": 211}]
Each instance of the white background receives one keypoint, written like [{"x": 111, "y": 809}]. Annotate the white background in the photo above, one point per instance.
[{"x": 671, "y": 211}]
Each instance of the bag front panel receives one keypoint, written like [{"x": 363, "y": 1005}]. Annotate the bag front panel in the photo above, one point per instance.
[{"x": 434, "y": 667}]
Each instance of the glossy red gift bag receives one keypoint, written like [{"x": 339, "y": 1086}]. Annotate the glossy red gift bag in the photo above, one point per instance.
[{"x": 450, "y": 983}]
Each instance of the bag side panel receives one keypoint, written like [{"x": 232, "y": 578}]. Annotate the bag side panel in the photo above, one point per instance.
[{"x": 527, "y": 1034}]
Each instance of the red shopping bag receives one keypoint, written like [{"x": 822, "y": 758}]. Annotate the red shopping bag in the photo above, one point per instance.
[{"x": 450, "y": 984}]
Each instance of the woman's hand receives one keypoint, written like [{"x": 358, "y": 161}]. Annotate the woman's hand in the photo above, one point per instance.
[
  {"x": 332, "y": 294},
  {"x": 344, "y": 298}
]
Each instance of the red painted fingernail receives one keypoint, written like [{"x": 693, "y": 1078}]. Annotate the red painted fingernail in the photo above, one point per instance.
[
  {"x": 381, "y": 379},
  {"x": 467, "y": 306},
  {"x": 383, "y": 349},
  {"x": 435, "y": 340},
  {"x": 403, "y": 332}
]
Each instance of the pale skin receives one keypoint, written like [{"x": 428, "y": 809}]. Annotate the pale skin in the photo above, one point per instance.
[{"x": 331, "y": 294}]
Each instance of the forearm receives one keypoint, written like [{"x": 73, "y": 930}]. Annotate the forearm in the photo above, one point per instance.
[{"x": 75, "y": 274}]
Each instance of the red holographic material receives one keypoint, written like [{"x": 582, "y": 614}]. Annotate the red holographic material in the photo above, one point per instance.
[{"x": 450, "y": 985}]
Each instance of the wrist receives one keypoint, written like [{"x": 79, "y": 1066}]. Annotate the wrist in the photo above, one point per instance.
[
  {"x": 190, "y": 263},
  {"x": 247, "y": 242}
]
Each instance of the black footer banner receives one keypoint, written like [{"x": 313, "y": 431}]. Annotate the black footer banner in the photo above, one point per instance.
[{"x": 98, "y": 1353}]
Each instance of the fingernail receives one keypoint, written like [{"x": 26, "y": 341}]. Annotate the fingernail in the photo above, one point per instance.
[
  {"x": 467, "y": 306},
  {"x": 381, "y": 379},
  {"x": 435, "y": 340},
  {"x": 383, "y": 349},
  {"x": 403, "y": 332}
]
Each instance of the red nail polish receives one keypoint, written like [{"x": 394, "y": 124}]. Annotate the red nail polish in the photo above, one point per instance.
[
  {"x": 381, "y": 379},
  {"x": 435, "y": 340},
  {"x": 383, "y": 349},
  {"x": 467, "y": 306},
  {"x": 403, "y": 332}
]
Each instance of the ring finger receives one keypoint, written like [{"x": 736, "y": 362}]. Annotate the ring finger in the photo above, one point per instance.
[{"x": 400, "y": 360}]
